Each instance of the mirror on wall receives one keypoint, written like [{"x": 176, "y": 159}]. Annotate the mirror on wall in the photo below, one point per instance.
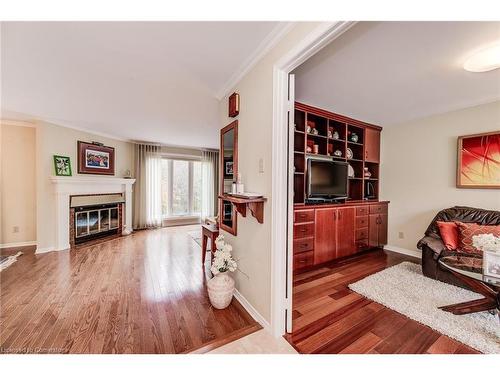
[{"x": 228, "y": 175}]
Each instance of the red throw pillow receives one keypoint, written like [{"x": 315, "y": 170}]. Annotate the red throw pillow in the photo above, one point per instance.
[
  {"x": 449, "y": 234},
  {"x": 467, "y": 230}
]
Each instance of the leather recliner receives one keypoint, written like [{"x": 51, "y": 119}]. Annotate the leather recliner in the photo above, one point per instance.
[{"x": 433, "y": 247}]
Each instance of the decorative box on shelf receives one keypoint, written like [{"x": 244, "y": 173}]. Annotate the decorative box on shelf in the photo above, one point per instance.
[{"x": 254, "y": 202}]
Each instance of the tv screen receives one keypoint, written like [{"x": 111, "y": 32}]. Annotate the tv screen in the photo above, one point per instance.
[{"x": 327, "y": 179}]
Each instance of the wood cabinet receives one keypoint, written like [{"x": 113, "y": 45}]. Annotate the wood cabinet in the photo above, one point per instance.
[
  {"x": 377, "y": 231},
  {"x": 372, "y": 145},
  {"x": 323, "y": 233},
  {"x": 325, "y": 246}
]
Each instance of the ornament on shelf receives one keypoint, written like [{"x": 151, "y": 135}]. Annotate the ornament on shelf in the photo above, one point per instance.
[
  {"x": 366, "y": 172},
  {"x": 349, "y": 153},
  {"x": 335, "y": 135},
  {"x": 354, "y": 137},
  {"x": 337, "y": 153},
  {"x": 315, "y": 149},
  {"x": 314, "y": 131},
  {"x": 330, "y": 132},
  {"x": 350, "y": 171}
]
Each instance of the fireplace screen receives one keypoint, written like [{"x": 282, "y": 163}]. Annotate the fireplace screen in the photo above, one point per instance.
[{"x": 95, "y": 221}]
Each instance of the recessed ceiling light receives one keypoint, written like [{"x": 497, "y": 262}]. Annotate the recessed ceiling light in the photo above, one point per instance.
[{"x": 484, "y": 60}]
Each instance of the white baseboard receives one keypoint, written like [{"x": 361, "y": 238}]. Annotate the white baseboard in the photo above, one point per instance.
[
  {"x": 252, "y": 311},
  {"x": 401, "y": 250},
  {"x": 17, "y": 244},
  {"x": 41, "y": 250}
]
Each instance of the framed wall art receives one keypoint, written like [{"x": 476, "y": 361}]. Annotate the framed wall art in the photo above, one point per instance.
[
  {"x": 62, "y": 165},
  {"x": 95, "y": 159},
  {"x": 478, "y": 164}
]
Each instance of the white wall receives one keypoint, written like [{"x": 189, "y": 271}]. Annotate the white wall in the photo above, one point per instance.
[
  {"x": 418, "y": 172},
  {"x": 18, "y": 185},
  {"x": 56, "y": 140},
  {"x": 252, "y": 245}
]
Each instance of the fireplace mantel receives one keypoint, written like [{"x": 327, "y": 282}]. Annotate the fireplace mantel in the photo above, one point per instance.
[{"x": 80, "y": 185}]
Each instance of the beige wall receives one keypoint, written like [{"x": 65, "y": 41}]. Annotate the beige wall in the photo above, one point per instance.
[
  {"x": 252, "y": 245},
  {"x": 419, "y": 169},
  {"x": 56, "y": 140},
  {"x": 18, "y": 187}
]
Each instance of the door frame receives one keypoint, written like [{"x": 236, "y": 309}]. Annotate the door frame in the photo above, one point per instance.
[{"x": 282, "y": 207}]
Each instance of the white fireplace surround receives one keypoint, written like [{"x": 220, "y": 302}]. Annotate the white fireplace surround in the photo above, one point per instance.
[{"x": 64, "y": 187}]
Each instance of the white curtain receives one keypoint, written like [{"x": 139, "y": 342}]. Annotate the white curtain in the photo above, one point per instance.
[
  {"x": 147, "y": 188},
  {"x": 209, "y": 183}
]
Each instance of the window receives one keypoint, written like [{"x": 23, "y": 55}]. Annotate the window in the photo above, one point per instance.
[{"x": 181, "y": 188}]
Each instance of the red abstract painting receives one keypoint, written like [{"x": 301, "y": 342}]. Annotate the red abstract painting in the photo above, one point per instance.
[{"x": 479, "y": 161}]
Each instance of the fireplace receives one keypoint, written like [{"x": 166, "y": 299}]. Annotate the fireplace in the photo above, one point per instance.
[{"x": 95, "y": 217}]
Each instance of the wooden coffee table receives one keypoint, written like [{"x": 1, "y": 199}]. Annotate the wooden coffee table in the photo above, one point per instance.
[{"x": 469, "y": 269}]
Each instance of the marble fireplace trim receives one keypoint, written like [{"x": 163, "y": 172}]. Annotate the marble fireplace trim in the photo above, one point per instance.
[{"x": 64, "y": 187}]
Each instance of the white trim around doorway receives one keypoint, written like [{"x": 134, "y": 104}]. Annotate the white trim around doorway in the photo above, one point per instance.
[{"x": 282, "y": 209}]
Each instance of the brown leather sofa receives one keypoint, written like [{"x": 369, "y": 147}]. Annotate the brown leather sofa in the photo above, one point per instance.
[{"x": 433, "y": 247}]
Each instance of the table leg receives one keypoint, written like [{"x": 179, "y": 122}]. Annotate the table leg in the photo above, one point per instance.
[
  {"x": 203, "y": 249},
  {"x": 212, "y": 249}
]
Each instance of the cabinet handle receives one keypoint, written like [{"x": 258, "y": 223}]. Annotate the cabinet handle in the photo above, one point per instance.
[
  {"x": 340, "y": 214},
  {"x": 303, "y": 230},
  {"x": 303, "y": 215},
  {"x": 334, "y": 215}
]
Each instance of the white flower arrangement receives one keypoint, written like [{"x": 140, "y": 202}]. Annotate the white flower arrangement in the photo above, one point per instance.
[
  {"x": 223, "y": 260},
  {"x": 486, "y": 242}
]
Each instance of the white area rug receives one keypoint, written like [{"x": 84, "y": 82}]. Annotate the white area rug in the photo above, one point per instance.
[
  {"x": 6, "y": 262},
  {"x": 404, "y": 289}
]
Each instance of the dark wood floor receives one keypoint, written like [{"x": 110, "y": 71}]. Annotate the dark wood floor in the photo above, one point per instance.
[
  {"x": 145, "y": 293},
  {"x": 330, "y": 318}
]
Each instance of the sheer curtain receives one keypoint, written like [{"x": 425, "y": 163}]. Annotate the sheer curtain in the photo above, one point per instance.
[
  {"x": 209, "y": 183},
  {"x": 147, "y": 187}
]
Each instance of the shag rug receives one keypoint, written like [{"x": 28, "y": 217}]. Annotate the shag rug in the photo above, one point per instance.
[
  {"x": 196, "y": 235},
  {"x": 7, "y": 261},
  {"x": 405, "y": 289}
]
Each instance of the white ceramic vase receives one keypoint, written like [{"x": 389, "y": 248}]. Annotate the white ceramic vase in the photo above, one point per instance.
[{"x": 220, "y": 290}]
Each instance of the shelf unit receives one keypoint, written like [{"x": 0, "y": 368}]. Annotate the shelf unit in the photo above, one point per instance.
[{"x": 366, "y": 150}]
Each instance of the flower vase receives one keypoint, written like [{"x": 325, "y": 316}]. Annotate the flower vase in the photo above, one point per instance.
[{"x": 220, "y": 290}]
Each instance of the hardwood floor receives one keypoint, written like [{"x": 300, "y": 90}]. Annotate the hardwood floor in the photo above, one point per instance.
[
  {"x": 144, "y": 293},
  {"x": 329, "y": 318}
]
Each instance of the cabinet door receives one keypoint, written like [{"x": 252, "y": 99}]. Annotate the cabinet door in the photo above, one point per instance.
[
  {"x": 372, "y": 145},
  {"x": 346, "y": 218},
  {"x": 382, "y": 230},
  {"x": 325, "y": 237},
  {"x": 373, "y": 230}
]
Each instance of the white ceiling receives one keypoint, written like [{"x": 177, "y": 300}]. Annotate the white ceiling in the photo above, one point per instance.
[
  {"x": 392, "y": 72},
  {"x": 147, "y": 81}
]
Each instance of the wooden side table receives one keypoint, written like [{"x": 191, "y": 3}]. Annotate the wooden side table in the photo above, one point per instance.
[{"x": 211, "y": 232}]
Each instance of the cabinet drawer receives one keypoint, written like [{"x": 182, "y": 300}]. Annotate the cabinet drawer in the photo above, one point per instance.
[
  {"x": 378, "y": 209},
  {"x": 361, "y": 210},
  {"x": 303, "y": 230},
  {"x": 361, "y": 221},
  {"x": 303, "y": 260},
  {"x": 303, "y": 244},
  {"x": 303, "y": 216},
  {"x": 362, "y": 234}
]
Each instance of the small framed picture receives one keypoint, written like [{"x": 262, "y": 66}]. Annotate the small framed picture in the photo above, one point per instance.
[
  {"x": 491, "y": 264},
  {"x": 95, "y": 158},
  {"x": 234, "y": 105},
  {"x": 62, "y": 165},
  {"x": 228, "y": 169}
]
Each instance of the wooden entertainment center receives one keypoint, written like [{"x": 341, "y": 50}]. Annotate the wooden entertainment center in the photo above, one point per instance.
[{"x": 324, "y": 232}]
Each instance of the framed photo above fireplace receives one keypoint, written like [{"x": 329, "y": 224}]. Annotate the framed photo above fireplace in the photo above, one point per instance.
[
  {"x": 478, "y": 163},
  {"x": 96, "y": 159}
]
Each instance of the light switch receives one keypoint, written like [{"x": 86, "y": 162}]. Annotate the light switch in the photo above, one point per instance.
[{"x": 261, "y": 165}]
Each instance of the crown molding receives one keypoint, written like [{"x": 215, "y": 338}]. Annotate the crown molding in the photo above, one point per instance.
[
  {"x": 264, "y": 47},
  {"x": 26, "y": 124}
]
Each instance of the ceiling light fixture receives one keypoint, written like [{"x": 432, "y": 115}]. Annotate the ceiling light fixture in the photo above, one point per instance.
[{"x": 484, "y": 60}]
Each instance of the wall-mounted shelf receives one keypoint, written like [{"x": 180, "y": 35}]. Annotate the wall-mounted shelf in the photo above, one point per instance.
[{"x": 255, "y": 205}]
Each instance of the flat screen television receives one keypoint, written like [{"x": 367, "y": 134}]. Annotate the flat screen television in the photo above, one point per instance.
[{"x": 326, "y": 179}]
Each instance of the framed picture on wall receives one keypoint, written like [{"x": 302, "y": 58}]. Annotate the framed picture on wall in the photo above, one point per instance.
[
  {"x": 95, "y": 159},
  {"x": 62, "y": 165},
  {"x": 478, "y": 163}
]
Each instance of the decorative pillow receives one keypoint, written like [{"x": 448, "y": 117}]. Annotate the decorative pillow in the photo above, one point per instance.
[
  {"x": 449, "y": 234},
  {"x": 467, "y": 230}
]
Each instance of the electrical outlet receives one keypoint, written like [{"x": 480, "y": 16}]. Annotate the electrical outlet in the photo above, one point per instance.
[
  {"x": 261, "y": 165},
  {"x": 401, "y": 235},
  {"x": 15, "y": 229}
]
